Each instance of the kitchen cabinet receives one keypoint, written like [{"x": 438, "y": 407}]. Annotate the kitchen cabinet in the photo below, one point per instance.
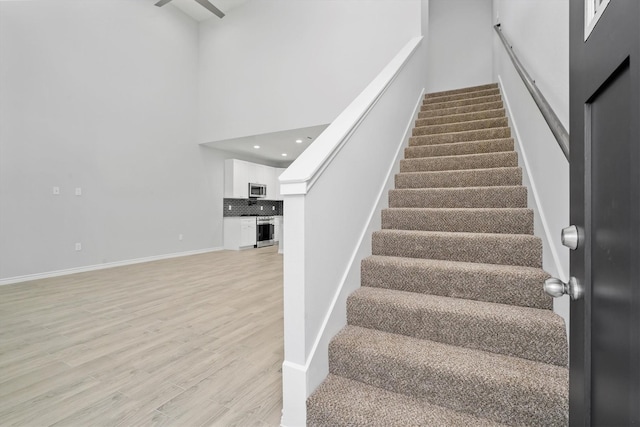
[
  {"x": 238, "y": 174},
  {"x": 239, "y": 232}
]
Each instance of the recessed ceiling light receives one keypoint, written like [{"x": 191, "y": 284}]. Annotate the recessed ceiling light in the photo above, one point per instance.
[
  {"x": 256, "y": 146},
  {"x": 299, "y": 141},
  {"x": 284, "y": 154}
]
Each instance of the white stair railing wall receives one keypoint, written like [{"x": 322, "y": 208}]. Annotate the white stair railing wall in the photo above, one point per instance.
[{"x": 333, "y": 194}]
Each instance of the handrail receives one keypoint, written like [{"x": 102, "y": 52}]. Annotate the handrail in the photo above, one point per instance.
[{"x": 558, "y": 130}]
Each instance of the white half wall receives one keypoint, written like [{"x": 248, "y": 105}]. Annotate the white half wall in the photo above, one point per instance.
[
  {"x": 459, "y": 45},
  {"x": 99, "y": 95},
  {"x": 273, "y": 65},
  {"x": 539, "y": 33}
]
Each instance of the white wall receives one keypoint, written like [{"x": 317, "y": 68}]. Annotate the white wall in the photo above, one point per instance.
[
  {"x": 99, "y": 95},
  {"x": 459, "y": 48},
  {"x": 274, "y": 65},
  {"x": 539, "y": 33}
]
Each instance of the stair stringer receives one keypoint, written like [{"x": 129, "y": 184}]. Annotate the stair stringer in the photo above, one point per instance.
[{"x": 552, "y": 261}]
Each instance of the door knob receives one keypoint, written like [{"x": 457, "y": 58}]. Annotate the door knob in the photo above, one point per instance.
[
  {"x": 570, "y": 237},
  {"x": 557, "y": 288}
]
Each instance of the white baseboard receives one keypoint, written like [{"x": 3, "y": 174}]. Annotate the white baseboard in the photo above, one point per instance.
[{"x": 84, "y": 269}]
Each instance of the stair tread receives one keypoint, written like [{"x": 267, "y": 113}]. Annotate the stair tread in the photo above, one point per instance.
[
  {"x": 530, "y": 333},
  {"x": 459, "y": 148},
  {"x": 485, "y": 177},
  {"x": 340, "y": 401},
  {"x": 462, "y": 90},
  {"x": 459, "y": 96},
  {"x": 477, "y": 220},
  {"x": 422, "y": 114},
  {"x": 487, "y": 248},
  {"x": 507, "y": 284},
  {"x": 460, "y": 103},
  {"x": 462, "y": 197},
  {"x": 487, "y": 123},
  {"x": 504, "y": 388},
  {"x": 460, "y": 162},
  {"x": 462, "y": 136},
  {"x": 458, "y": 118}
]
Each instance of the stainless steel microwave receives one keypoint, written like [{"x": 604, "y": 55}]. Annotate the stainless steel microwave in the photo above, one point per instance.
[{"x": 257, "y": 190}]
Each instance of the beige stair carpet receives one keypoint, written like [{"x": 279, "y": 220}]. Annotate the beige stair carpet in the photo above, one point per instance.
[{"x": 451, "y": 326}]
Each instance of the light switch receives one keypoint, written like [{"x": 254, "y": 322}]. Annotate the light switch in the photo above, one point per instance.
[
  {"x": 56, "y": 190},
  {"x": 78, "y": 191}
]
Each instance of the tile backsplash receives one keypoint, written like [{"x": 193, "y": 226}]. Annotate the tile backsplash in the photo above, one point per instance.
[{"x": 241, "y": 207}]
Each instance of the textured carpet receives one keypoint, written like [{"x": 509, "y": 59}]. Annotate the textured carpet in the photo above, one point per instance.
[{"x": 451, "y": 326}]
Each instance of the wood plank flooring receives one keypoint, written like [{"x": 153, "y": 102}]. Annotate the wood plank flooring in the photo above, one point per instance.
[{"x": 190, "y": 341}]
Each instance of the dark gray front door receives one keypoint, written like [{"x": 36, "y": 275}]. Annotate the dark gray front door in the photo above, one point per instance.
[{"x": 605, "y": 201}]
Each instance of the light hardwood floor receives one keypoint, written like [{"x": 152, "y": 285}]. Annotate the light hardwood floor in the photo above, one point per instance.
[{"x": 188, "y": 341}]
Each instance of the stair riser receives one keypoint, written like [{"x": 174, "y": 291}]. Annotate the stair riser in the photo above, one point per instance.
[
  {"x": 463, "y": 90},
  {"x": 460, "y": 96},
  {"x": 460, "y": 220},
  {"x": 515, "y": 332},
  {"x": 481, "y": 248},
  {"x": 511, "y": 197},
  {"x": 457, "y": 118},
  {"x": 478, "y": 161},
  {"x": 461, "y": 127},
  {"x": 341, "y": 402},
  {"x": 461, "y": 389},
  {"x": 465, "y": 136},
  {"x": 465, "y": 178},
  {"x": 504, "y": 285},
  {"x": 459, "y": 148},
  {"x": 461, "y": 110},
  {"x": 460, "y": 103}
]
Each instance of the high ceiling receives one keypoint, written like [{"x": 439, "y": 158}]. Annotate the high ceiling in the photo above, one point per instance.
[{"x": 199, "y": 13}]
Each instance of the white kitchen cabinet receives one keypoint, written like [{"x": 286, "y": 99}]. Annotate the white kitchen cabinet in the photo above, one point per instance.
[
  {"x": 239, "y": 232},
  {"x": 238, "y": 174}
]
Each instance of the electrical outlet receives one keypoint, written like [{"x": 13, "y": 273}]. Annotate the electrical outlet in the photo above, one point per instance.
[
  {"x": 78, "y": 191},
  {"x": 229, "y": 207},
  {"x": 56, "y": 190},
  {"x": 180, "y": 236},
  {"x": 273, "y": 208},
  {"x": 261, "y": 207},
  {"x": 78, "y": 246}
]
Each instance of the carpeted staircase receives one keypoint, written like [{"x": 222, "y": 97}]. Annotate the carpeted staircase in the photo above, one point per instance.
[{"x": 451, "y": 325}]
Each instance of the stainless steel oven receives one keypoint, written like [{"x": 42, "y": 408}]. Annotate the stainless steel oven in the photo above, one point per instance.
[{"x": 265, "y": 226}]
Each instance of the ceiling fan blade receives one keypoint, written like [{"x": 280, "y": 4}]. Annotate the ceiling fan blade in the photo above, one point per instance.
[
  {"x": 206, "y": 4},
  {"x": 162, "y": 3}
]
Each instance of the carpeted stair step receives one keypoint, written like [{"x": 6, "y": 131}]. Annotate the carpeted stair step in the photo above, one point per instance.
[
  {"x": 506, "y": 389},
  {"x": 495, "y": 122},
  {"x": 460, "y": 162},
  {"x": 460, "y": 103},
  {"x": 529, "y": 333},
  {"x": 460, "y": 178},
  {"x": 455, "y": 118},
  {"x": 461, "y": 90},
  {"x": 460, "y": 96},
  {"x": 470, "y": 220},
  {"x": 341, "y": 402},
  {"x": 504, "y": 284},
  {"x": 473, "y": 197},
  {"x": 460, "y": 110},
  {"x": 464, "y": 136},
  {"x": 506, "y": 249},
  {"x": 458, "y": 148}
]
